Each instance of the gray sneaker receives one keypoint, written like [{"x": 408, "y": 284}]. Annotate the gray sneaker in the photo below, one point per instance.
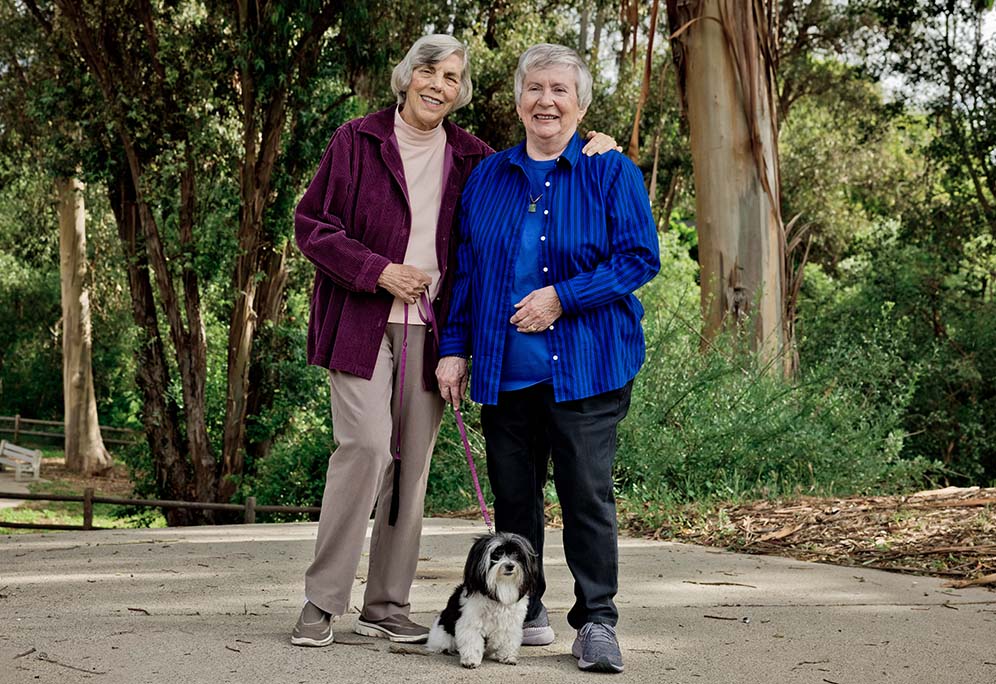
[
  {"x": 538, "y": 632},
  {"x": 597, "y": 649},
  {"x": 397, "y": 628},
  {"x": 313, "y": 628}
]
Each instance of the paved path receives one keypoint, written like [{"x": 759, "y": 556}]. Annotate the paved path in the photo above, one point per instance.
[
  {"x": 9, "y": 484},
  {"x": 216, "y": 605}
]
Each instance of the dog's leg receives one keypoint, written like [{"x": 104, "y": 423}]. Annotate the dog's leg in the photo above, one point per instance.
[
  {"x": 439, "y": 640},
  {"x": 505, "y": 643},
  {"x": 470, "y": 644}
]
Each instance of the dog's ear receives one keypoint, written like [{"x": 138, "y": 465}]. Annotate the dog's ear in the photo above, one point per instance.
[
  {"x": 474, "y": 579},
  {"x": 531, "y": 559}
]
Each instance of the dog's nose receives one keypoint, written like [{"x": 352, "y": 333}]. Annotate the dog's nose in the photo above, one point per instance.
[{"x": 508, "y": 567}]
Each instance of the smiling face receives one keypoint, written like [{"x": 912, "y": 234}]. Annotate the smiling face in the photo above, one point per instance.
[
  {"x": 432, "y": 92},
  {"x": 549, "y": 110}
]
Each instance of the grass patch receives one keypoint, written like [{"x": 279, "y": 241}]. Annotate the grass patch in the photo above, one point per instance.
[{"x": 59, "y": 481}]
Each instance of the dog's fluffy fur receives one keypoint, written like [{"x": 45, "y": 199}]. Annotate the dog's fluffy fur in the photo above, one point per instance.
[{"x": 484, "y": 615}]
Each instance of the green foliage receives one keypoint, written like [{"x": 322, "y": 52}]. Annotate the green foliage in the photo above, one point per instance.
[
  {"x": 451, "y": 487},
  {"x": 706, "y": 426},
  {"x": 30, "y": 354},
  {"x": 294, "y": 472},
  {"x": 935, "y": 309}
]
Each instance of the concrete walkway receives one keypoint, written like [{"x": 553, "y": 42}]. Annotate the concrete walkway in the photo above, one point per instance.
[
  {"x": 216, "y": 605},
  {"x": 9, "y": 484}
]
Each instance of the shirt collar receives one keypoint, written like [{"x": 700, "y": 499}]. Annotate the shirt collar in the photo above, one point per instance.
[{"x": 570, "y": 155}]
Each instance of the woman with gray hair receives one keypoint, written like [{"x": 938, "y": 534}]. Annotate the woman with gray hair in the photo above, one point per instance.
[
  {"x": 552, "y": 246},
  {"x": 377, "y": 222}
]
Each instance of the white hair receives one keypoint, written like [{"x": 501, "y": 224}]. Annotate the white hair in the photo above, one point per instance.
[
  {"x": 429, "y": 50},
  {"x": 548, "y": 55}
]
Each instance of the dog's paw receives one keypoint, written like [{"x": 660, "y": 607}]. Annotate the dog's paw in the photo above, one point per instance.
[
  {"x": 508, "y": 660},
  {"x": 470, "y": 664}
]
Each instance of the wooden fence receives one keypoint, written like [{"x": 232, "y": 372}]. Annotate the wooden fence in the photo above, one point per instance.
[
  {"x": 18, "y": 426},
  {"x": 249, "y": 508}
]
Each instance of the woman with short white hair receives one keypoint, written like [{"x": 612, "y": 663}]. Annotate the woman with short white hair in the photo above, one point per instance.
[
  {"x": 553, "y": 244},
  {"x": 377, "y": 221}
]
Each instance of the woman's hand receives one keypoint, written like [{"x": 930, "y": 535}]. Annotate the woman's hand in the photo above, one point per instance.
[
  {"x": 600, "y": 143},
  {"x": 451, "y": 374},
  {"x": 537, "y": 311},
  {"x": 404, "y": 282}
]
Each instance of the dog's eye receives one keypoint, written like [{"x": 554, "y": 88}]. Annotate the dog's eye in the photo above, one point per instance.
[{"x": 496, "y": 554}]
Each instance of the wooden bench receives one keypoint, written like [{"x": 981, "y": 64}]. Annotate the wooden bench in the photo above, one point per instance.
[{"x": 23, "y": 461}]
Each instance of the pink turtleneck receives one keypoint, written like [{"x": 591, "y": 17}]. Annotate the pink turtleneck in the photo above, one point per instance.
[{"x": 422, "y": 154}]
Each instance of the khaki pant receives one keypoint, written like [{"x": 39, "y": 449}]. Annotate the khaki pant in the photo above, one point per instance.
[{"x": 365, "y": 420}]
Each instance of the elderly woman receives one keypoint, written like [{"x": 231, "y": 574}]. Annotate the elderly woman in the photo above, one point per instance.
[
  {"x": 377, "y": 221},
  {"x": 552, "y": 246}
]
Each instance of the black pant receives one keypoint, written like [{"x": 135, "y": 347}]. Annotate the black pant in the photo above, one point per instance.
[{"x": 522, "y": 431}]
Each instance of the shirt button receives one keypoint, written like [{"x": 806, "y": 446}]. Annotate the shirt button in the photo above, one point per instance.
[
  {"x": 545, "y": 269},
  {"x": 555, "y": 357},
  {"x": 542, "y": 238},
  {"x": 548, "y": 184},
  {"x": 551, "y": 327},
  {"x": 546, "y": 211}
]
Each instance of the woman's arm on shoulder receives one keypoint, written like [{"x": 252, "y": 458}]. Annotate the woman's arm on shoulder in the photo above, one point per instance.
[{"x": 600, "y": 143}]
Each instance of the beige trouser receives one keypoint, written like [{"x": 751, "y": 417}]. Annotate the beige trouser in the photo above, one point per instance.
[{"x": 361, "y": 473}]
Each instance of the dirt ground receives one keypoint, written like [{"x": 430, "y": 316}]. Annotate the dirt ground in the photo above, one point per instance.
[
  {"x": 944, "y": 533},
  {"x": 115, "y": 483}
]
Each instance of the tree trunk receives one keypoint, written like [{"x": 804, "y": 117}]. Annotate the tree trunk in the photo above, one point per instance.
[
  {"x": 723, "y": 55},
  {"x": 160, "y": 414},
  {"x": 634, "y": 140},
  {"x": 596, "y": 37},
  {"x": 583, "y": 31},
  {"x": 269, "y": 308},
  {"x": 84, "y": 447}
]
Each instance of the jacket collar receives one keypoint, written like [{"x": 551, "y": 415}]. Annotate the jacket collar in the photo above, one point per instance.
[{"x": 380, "y": 125}]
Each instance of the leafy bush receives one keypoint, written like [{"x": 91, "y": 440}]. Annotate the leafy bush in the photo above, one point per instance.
[
  {"x": 934, "y": 315},
  {"x": 714, "y": 425},
  {"x": 294, "y": 472},
  {"x": 451, "y": 487}
]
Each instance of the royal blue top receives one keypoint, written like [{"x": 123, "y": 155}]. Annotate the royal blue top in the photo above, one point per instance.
[
  {"x": 526, "y": 361},
  {"x": 597, "y": 246}
]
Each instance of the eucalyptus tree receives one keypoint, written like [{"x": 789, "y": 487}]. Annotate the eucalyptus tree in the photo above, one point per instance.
[
  {"x": 944, "y": 53},
  {"x": 196, "y": 101},
  {"x": 29, "y": 65},
  {"x": 724, "y": 53}
]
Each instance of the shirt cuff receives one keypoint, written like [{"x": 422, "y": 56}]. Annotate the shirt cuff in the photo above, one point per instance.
[
  {"x": 568, "y": 301},
  {"x": 453, "y": 347}
]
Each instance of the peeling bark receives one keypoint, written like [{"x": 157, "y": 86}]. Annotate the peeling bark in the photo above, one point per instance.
[{"x": 726, "y": 75}]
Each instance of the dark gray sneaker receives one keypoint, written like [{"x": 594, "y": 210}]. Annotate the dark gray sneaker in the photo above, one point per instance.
[
  {"x": 397, "y": 628},
  {"x": 538, "y": 632},
  {"x": 313, "y": 628},
  {"x": 597, "y": 649}
]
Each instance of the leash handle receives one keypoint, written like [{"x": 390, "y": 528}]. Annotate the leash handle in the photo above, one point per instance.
[{"x": 429, "y": 319}]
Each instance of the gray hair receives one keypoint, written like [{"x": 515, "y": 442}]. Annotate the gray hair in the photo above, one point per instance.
[
  {"x": 429, "y": 50},
  {"x": 547, "y": 55}
]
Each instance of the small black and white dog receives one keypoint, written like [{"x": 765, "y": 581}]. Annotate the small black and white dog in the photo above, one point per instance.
[{"x": 485, "y": 613}]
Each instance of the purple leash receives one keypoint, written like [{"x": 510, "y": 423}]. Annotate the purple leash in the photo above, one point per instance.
[
  {"x": 429, "y": 319},
  {"x": 392, "y": 517}
]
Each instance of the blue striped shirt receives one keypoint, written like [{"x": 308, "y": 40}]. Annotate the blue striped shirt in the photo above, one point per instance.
[{"x": 597, "y": 246}]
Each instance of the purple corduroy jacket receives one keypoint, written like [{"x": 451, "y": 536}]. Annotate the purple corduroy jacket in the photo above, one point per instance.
[{"x": 355, "y": 219}]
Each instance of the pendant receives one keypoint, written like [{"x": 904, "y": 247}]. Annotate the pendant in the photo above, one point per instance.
[{"x": 532, "y": 207}]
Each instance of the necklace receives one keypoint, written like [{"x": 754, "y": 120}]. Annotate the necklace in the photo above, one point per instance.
[{"x": 533, "y": 201}]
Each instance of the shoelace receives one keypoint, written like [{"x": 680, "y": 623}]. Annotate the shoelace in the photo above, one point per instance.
[{"x": 597, "y": 632}]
